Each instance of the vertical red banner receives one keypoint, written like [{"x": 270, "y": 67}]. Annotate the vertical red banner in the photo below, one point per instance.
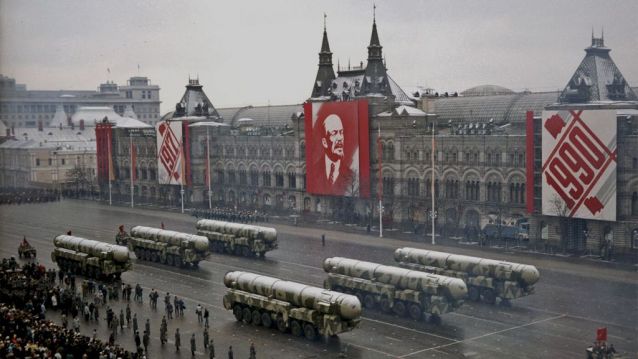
[{"x": 529, "y": 161}]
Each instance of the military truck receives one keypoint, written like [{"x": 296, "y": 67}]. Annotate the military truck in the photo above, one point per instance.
[
  {"x": 91, "y": 258},
  {"x": 168, "y": 247},
  {"x": 486, "y": 278},
  {"x": 302, "y": 309},
  {"x": 238, "y": 238},
  {"x": 395, "y": 290}
]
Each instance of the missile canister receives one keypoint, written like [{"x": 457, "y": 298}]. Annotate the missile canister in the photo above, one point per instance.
[
  {"x": 92, "y": 258},
  {"x": 485, "y": 278},
  {"x": 238, "y": 238},
  {"x": 304, "y": 309},
  {"x": 168, "y": 247}
]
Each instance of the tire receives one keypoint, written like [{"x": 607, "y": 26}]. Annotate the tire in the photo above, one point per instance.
[
  {"x": 415, "y": 312},
  {"x": 266, "y": 320},
  {"x": 474, "y": 294},
  {"x": 384, "y": 305},
  {"x": 309, "y": 331},
  {"x": 399, "y": 308},
  {"x": 295, "y": 328},
  {"x": 245, "y": 251},
  {"x": 368, "y": 301},
  {"x": 489, "y": 296},
  {"x": 247, "y": 315},
  {"x": 238, "y": 312},
  {"x": 178, "y": 261},
  {"x": 262, "y": 255},
  {"x": 435, "y": 319},
  {"x": 147, "y": 255},
  {"x": 281, "y": 324},
  {"x": 170, "y": 260},
  {"x": 256, "y": 318},
  {"x": 359, "y": 296}
]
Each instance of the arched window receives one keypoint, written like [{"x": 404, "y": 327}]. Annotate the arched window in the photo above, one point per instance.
[{"x": 634, "y": 204}]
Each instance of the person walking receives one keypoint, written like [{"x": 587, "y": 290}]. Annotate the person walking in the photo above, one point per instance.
[
  {"x": 163, "y": 335},
  {"x": 135, "y": 327},
  {"x": 211, "y": 349},
  {"x": 128, "y": 315},
  {"x": 230, "y": 352},
  {"x": 253, "y": 353},
  {"x": 138, "y": 342},
  {"x": 198, "y": 311},
  {"x": 193, "y": 348},
  {"x": 205, "y": 338},
  {"x": 147, "y": 326},
  {"x": 122, "y": 320},
  {"x": 178, "y": 339},
  {"x": 206, "y": 315}
]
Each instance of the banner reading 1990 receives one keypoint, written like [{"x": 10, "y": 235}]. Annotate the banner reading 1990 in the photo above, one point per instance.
[
  {"x": 170, "y": 157},
  {"x": 579, "y": 164}
]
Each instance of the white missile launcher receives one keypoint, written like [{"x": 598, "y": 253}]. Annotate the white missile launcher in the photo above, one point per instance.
[
  {"x": 238, "y": 238},
  {"x": 394, "y": 289},
  {"x": 486, "y": 278},
  {"x": 168, "y": 247},
  {"x": 302, "y": 309},
  {"x": 89, "y": 257}
]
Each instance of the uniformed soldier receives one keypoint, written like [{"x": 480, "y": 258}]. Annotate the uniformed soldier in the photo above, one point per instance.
[
  {"x": 145, "y": 340},
  {"x": 205, "y": 338},
  {"x": 135, "y": 327},
  {"x": 147, "y": 326},
  {"x": 178, "y": 339},
  {"x": 128, "y": 315},
  {"x": 193, "y": 348},
  {"x": 211, "y": 348},
  {"x": 253, "y": 353},
  {"x": 122, "y": 320}
]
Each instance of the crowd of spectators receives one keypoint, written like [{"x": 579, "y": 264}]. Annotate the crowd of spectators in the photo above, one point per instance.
[
  {"x": 231, "y": 215},
  {"x": 26, "y": 293},
  {"x": 27, "y": 195}
]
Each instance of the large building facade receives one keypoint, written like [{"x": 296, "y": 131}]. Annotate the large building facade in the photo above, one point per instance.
[
  {"x": 22, "y": 108},
  {"x": 256, "y": 157}
]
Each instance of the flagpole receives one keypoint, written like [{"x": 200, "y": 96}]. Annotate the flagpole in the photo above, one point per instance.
[
  {"x": 208, "y": 174},
  {"x": 380, "y": 186},
  {"x": 108, "y": 138},
  {"x": 433, "y": 214},
  {"x": 132, "y": 169}
]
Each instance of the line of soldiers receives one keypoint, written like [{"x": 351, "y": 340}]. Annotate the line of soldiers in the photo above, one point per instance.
[
  {"x": 231, "y": 215},
  {"x": 27, "y": 195}
]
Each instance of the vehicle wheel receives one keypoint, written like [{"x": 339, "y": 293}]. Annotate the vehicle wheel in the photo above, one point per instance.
[
  {"x": 266, "y": 320},
  {"x": 368, "y": 301},
  {"x": 474, "y": 294},
  {"x": 170, "y": 260},
  {"x": 384, "y": 304},
  {"x": 178, "y": 261},
  {"x": 506, "y": 303},
  {"x": 256, "y": 320},
  {"x": 488, "y": 296},
  {"x": 156, "y": 257},
  {"x": 295, "y": 328},
  {"x": 146, "y": 255},
  {"x": 309, "y": 331},
  {"x": 247, "y": 315},
  {"x": 435, "y": 319},
  {"x": 238, "y": 251},
  {"x": 237, "y": 312},
  {"x": 262, "y": 255},
  {"x": 359, "y": 296},
  {"x": 399, "y": 308},
  {"x": 245, "y": 251},
  {"x": 415, "y": 311},
  {"x": 281, "y": 324}
]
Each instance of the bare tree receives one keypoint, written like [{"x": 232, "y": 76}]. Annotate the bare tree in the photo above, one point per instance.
[
  {"x": 561, "y": 210},
  {"x": 82, "y": 179}
]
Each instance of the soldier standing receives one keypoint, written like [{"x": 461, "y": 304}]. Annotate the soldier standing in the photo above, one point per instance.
[
  {"x": 211, "y": 347},
  {"x": 205, "y": 338},
  {"x": 128, "y": 315},
  {"x": 230, "y": 352},
  {"x": 206, "y": 315},
  {"x": 116, "y": 323},
  {"x": 145, "y": 340},
  {"x": 163, "y": 335},
  {"x": 122, "y": 320},
  {"x": 193, "y": 348},
  {"x": 253, "y": 353},
  {"x": 147, "y": 326},
  {"x": 135, "y": 327},
  {"x": 178, "y": 339},
  {"x": 138, "y": 342}
]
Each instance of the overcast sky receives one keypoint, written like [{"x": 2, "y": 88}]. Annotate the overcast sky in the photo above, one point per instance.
[{"x": 259, "y": 52}]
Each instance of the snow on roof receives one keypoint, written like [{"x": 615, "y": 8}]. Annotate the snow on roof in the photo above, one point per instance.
[
  {"x": 93, "y": 114},
  {"x": 403, "y": 111}
]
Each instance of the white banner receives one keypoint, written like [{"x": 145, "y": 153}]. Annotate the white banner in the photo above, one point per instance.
[
  {"x": 579, "y": 164},
  {"x": 170, "y": 159}
]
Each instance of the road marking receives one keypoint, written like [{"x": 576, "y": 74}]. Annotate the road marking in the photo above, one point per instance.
[
  {"x": 371, "y": 349},
  {"x": 406, "y": 328},
  {"x": 483, "y": 336},
  {"x": 476, "y": 318},
  {"x": 394, "y": 339}
]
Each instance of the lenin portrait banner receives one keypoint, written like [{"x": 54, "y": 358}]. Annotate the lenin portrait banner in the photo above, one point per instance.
[
  {"x": 337, "y": 148},
  {"x": 170, "y": 157},
  {"x": 579, "y": 158}
]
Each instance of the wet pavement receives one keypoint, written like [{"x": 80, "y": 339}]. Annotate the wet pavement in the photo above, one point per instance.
[{"x": 558, "y": 321}]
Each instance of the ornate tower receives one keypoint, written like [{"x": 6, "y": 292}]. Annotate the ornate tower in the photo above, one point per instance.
[
  {"x": 375, "y": 80},
  {"x": 325, "y": 73}
]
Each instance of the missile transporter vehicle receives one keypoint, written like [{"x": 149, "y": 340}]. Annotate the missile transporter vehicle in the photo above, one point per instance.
[
  {"x": 392, "y": 289},
  {"x": 485, "y": 278},
  {"x": 238, "y": 238},
  {"x": 168, "y": 247},
  {"x": 91, "y": 258},
  {"x": 302, "y": 309}
]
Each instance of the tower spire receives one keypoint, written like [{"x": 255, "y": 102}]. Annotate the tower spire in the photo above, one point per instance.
[
  {"x": 374, "y": 12},
  {"x": 325, "y": 73},
  {"x": 324, "y": 21}
]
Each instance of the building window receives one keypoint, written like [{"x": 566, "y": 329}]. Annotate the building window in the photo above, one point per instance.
[
  {"x": 413, "y": 187},
  {"x": 451, "y": 189},
  {"x": 279, "y": 179},
  {"x": 231, "y": 177},
  {"x": 292, "y": 180},
  {"x": 634, "y": 204},
  {"x": 37, "y": 162},
  {"x": 243, "y": 180},
  {"x": 388, "y": 186},
  {"x": 266, "y": 179},
  {"x": 50, "y": 161},
  {"x": 220, "y": 176},
  {"x": 63, "y": 162},
  {"x": 254, "y": 178}
]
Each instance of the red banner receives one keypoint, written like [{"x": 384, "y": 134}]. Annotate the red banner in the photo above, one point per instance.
[
  {"x": 601, "y": 334},
  {"x": 337, "y": 148}
]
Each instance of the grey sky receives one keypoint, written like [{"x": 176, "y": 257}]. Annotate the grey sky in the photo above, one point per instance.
[{"x": 255, "y": 52}]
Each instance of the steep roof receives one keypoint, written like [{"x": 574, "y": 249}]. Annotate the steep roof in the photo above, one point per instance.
[
  {"x": 487, "y": 90},
  {"x": 597, "y": 78},
  {"x": 194, "y": 102}
]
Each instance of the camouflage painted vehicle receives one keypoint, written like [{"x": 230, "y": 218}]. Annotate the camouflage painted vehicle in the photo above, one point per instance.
[
  {"x": 168, "y": 247},
  {"x": 302, "y": 309},
  {"x": 395, "y": 290},
  {"x": 237, "y": 238},
  {"x": 486, "y": 278},
  {"x": 91, "y": 258}
]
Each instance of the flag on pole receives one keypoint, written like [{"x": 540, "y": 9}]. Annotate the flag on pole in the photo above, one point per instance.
[
  {"x": 110, "y": 154},
  {"x": 601, "y": 334}
]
